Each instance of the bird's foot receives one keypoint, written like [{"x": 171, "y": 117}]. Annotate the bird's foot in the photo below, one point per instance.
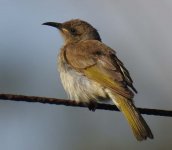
[{"x": 92, "y": 106}]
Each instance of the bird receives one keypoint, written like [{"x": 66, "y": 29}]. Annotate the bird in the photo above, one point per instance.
[{"x": 91, "y": 72}]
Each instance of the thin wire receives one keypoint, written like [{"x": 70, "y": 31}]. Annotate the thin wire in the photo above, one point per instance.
[{"x": 46, "y": 100}]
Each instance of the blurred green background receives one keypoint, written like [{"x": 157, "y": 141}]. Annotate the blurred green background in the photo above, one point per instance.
[{"x": 141, "y": 33}]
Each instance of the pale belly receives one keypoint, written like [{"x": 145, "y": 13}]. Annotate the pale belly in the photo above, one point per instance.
[{"x": 78, "y": 86}]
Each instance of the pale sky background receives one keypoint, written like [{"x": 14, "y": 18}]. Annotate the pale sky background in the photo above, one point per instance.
[{"x": 141, "y": 33}]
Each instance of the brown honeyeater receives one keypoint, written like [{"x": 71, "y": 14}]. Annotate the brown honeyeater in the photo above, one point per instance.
[{"x": 90, "y": 72}]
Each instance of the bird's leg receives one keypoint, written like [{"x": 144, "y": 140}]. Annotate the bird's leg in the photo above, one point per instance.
[{"x": 92, "y": 105}]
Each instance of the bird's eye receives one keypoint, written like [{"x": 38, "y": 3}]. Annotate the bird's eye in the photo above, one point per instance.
[{"x": 73, "y": 31}]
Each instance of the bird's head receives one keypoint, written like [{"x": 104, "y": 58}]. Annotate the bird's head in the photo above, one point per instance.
[{"x": 76, "y": 30}]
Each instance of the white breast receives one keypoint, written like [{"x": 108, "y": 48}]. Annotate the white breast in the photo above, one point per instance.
[{"x": 78, "y": 86}]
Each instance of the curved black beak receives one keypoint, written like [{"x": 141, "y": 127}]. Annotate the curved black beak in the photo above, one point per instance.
[{"x": 53, "y": 24}]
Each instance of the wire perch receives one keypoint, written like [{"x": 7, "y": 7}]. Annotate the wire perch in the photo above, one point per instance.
[{"x": 46, "y": 100}]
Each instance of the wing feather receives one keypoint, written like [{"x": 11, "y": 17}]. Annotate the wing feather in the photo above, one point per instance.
[{"x": 99, "y": 63}]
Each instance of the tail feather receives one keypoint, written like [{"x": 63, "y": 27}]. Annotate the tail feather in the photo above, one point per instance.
[{"x": 138, "y": 125}]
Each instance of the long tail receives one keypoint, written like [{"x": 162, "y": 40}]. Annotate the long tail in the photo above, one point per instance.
[{"x": 138, "y": 125}]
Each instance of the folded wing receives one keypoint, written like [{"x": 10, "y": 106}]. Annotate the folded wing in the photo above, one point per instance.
[{"x": 99, "y": 63}]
